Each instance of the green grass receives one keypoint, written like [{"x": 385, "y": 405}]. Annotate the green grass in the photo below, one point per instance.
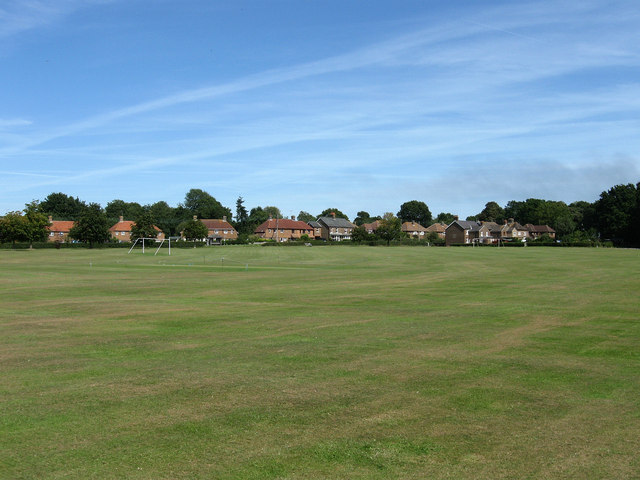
[{"x": 301, "y": 363}]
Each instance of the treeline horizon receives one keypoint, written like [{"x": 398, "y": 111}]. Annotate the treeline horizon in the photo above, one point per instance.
[{"x": 615, "y": 215}]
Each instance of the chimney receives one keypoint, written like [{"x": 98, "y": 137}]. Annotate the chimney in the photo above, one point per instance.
[
  {"x": 511, "y": 220},
  {"x": 333, "y": 214},
  {"x": 50, "y": 219},
  {"x": 455, "y": 217},
  {"x": 224, "y": 218},
  {"x": 505, "y": 221},
  {"x": 121, "y": 218},
  {"x": 293, "y": 217},
  {"x": 270, "y": 217}
]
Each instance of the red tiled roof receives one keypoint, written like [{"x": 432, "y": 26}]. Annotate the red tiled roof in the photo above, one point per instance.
[
  {"x": 283, "y": 224},
  {"x": 436, "y": 227},
  {"x": 214, "y": 223},
  {"x": 539, "y": 228},
  {"x": 371, "y": 226},
  {"x": 60, "y": 226},
  {"x": 125, "y": 226},
  {"x": 412, "y": 227}
]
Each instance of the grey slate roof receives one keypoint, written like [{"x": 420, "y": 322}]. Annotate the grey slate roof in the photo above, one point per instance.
[
  {"x": 493, "y": 226},
  {"x": 336, "y": 222},
  {"x": 468, "y": 225}
]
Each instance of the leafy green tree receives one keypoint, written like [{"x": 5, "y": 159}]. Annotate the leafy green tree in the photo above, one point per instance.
[
  {"x": 143, "y": 227},
  {"x": 257, "y": 215},
  {"x": 492, "y": 213},
  {"x": 445, "y": 218},
  {"x": 434, "y": 238},
  {"x": 92, "y": 227},
  {"x": 305, "y": 217},
  {"x": 390, "y": 228},
  {"x": 120, "y": 208},
  {"x": 542, "y": 212},
  {"x": 180, "y": 214},
  {"x": 363, "y": 217},
  {"x": 194, "y": 230},
  {"x": 203, "y": 205},
  {"x": 273, "y": 212},
  {"x": 583, "y": 215},
  {"x": 360, "y": 234},
  {"x": 14, "y": 227},
  {"x": 544, "y": 238},
  {"x": 617, "y": 212},
  {"x": 164, "y": 217},
  {"x": 327, "y": 213},
  {"x": 37, "y": 223},
  {"x": 62, "y": 207},
  {"x": 415, "y": 211}
]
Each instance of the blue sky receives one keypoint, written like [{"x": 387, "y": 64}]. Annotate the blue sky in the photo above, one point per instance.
[{"x": 314, "y": 104}]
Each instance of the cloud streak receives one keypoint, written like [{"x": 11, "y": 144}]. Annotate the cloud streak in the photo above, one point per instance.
[
  {"x": 510, "y": 86},
  {"x": 21, "y": 16}
]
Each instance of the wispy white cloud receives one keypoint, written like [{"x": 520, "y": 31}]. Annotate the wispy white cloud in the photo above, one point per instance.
[
  {"x": 23, "y": 15},
  {"x": 491, "y": 94},
  {"x": 6, "y": 123}
]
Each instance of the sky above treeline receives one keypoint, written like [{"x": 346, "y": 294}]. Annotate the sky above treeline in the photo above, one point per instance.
[{"x": 307, "y": 105}]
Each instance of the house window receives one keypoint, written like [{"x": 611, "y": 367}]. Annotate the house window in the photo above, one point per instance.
[{"x": 51, "y": 234}]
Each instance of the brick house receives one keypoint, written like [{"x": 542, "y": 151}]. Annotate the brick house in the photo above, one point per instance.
[
  {"x": 513, "y": 230},
  {"x": 317, "y": 229},
  {"x": 536, "y": 230},
  {"x": 336, "y": 229},
  {"x": 438, "y": 228},
  {"x": 284, "y": 229},
  {"x": 414, "y": 230},
  {"x": 466, "y": 231},
  {"x": 219, "y": 230},
  {"x": 121, "y": 231},
  {"x": 371, "y": 227},
  {"x": 59, "y": 230},
  {"x": 509, "y": 230}
]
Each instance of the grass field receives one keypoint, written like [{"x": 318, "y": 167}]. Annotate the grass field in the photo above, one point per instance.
[{"x": 324, "y": 362}]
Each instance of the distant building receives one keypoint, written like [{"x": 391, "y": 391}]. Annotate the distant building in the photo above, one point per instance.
[
  {"x": 219, "y": 230},
  {"x": 466, "y": 231},
  {"x": 536, "y": 231},
  {"x": 284, "y": 229},
  {"x": 121, "y": 231},
  {"x": 371, "y": 227},
  {"x": 59, "y": 230},
  {"x": 335, "y": 229},
  {"x": 414, "y": 230},
  {"x": 317, "y": 229}
]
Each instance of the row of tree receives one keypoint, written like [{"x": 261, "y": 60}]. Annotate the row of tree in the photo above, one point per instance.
[{"x": 615, "y": 215}]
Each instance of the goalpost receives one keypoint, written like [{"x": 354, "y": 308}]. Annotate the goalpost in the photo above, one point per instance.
[
  {"x": 162, "y": 243},
  {"x": 142, "y": 240},
  {"x": 137, "y": 240}
]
